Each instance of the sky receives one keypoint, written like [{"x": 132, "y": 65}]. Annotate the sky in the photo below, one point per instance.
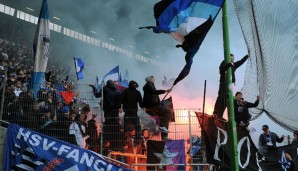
[{"x": 120, "y": 20}]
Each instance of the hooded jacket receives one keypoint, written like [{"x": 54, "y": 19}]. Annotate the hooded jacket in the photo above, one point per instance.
[
  {"x": 111, "y": 96},
  {"x": 151, "y": 97},
  {"x": 131, "y": 97}
]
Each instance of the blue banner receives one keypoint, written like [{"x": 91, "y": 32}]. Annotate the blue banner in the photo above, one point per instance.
[{"x": 32, "y": 151}]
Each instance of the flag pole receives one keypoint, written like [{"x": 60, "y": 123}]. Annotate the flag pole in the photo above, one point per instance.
[
  {"x": 231, "y": 126},
  {"x": 166, "y": 94},
  {"x": 102, "y": 118},
  {"x": 74, "y": 60}
]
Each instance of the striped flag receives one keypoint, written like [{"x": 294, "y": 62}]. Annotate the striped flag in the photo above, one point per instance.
[
  {"x": 41, "y": 45},
  {"x": 187, "y": 21}
]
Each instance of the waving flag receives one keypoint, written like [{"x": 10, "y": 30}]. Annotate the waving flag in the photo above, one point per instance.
[
  {"x": 41, "y": 44},
  {"x": 113, "y": 74},
  {"x": 122, "y": 85},
  {"x": 79, "y": 66},
  {"x": 188, "y": 21},
  {"x": 29, "y": 150}
]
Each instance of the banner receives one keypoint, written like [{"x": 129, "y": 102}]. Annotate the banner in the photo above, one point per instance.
[
  {"x": 169, "y": 152},
  {"x": 32, "y": 151},
  {"x": 249, "y": 157}
]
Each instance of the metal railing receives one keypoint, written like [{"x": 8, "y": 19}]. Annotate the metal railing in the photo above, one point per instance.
[{"x": 205, "y": 167}]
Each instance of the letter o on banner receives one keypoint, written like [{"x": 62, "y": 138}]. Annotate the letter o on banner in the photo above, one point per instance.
[{"x": 240, "y": 143}]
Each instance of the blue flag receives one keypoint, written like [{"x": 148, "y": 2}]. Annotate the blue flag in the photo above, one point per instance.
[
  {"x": 29, "y": 150},
  {"x": 113, "y": 74},
  {"x": 79, "y": 66},
  {"x": 188, "y": 21},
  {"x": 41, "y": 44}
]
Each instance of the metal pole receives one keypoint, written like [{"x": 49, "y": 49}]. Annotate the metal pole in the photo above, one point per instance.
[
  {"x": 202, "y": 132},
  {"x": 102, "y": 116},
  {"x": 190, "y": 138},
  {"x": 3, "y": 92},
  {"x": 231, "y": 126}
]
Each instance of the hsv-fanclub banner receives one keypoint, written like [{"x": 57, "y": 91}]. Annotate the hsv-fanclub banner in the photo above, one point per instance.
[
  {"x": 249, "y": 157},
  {"x": 27, "y": 150}
]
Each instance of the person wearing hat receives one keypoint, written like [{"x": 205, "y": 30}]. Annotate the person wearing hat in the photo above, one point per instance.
[
  {"x": 221, "y": 100},
  {"x": 242, "y": 115},
  {"x": 269, "y": 139},
  {"x": 151, "y": 102}
]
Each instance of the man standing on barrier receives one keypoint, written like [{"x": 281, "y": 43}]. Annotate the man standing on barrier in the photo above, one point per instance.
[{"x": 151, "y": 102}]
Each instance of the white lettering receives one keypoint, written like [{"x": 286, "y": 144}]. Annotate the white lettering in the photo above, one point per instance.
[
  {"x": 109, "y": 167},
  {"x": 97, "y": 167},
  {"x": 21, "y": 133},
  {"x": 35, "y": 140},
  {"x": 86, "y": 159},
  {"x": 218, "y": 144},
  {"x": 257, "y": 159},
  {"x": 74, "y": 154},
  {"x": 46, "y": 146},
  {"x": 240, "y": 143},
  {"x": 62, "y": 149}
]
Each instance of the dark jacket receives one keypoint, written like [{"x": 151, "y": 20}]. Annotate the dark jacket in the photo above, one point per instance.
[
  {"x": 225, "y": 66},
  {"x": 111, "y": 96},
  {"x": 130, "y": 97},
  {"x": 151, "y": 97},
  {"x": 263, "y": 139},
  {"x": 241, "y": 110}
]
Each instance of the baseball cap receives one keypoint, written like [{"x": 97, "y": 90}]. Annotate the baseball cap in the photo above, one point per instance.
[{"x": 265, "y": 127}]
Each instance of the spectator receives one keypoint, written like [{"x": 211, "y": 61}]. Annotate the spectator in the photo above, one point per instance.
[
  {"x": 242, "y": 115},
  {"x": 130, "y": 144},
  {"x": 92, "y": 132},
  {"x": 268, "y": 139},
  {"x": 78, "y": 128},
  {"x": 152, "y": 104},
  {"x": 220, "y": 104},
  {"x": 64, "y": 120},
  {"x": 46, "y": 122},
  {"x": 143, "y": 144},
  {"x": 111, "y": 104},
  {"x": 130, "y": 98},
  {"x": 287, "y": 155}
]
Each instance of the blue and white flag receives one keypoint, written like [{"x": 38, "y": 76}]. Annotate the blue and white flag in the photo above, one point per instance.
[
  {"x": 41, "y": 45},
  {"x": 113, "y": 74},
  {"x": 285, "y": 164},
  {"x": 79, "y": 66},
  {"x": 32, "y": 151},
  {"x": 188, "y": 21}
]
